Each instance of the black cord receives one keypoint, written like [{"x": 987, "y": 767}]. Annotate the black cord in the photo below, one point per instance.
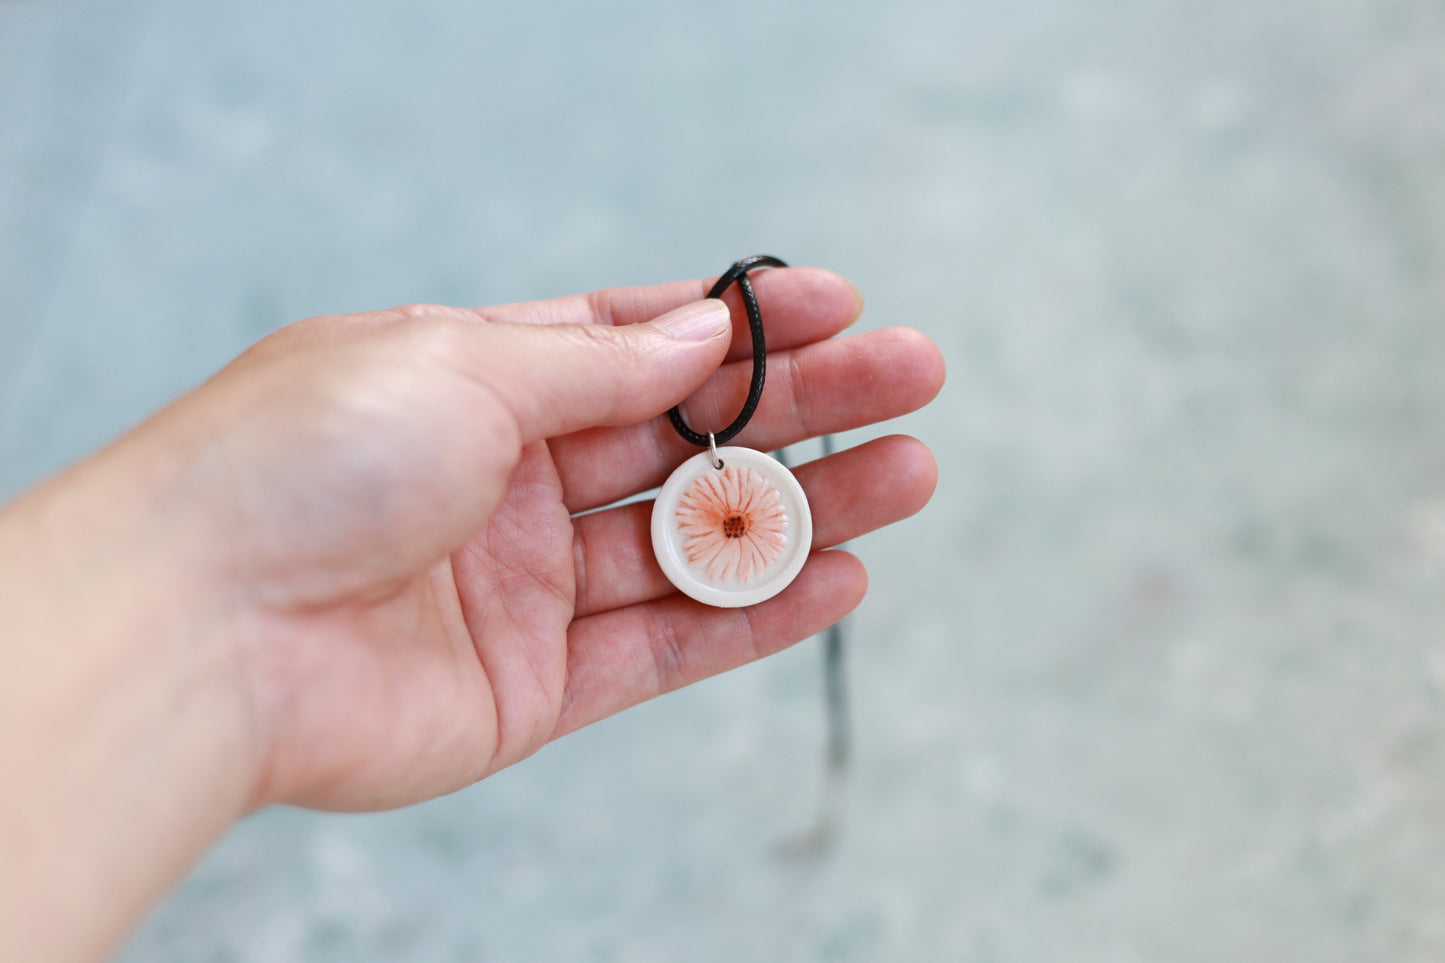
[
  {"x": 835, "y": 690},
  {"x": 840, "y": 737},
  {"x": 738, "y": 274}
]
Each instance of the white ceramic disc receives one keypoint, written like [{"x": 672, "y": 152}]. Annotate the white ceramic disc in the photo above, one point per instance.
[{"x": 735, "y": 535}]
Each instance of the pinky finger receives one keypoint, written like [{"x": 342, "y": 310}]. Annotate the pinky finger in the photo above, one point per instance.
[{"x": 619, "y": 658}]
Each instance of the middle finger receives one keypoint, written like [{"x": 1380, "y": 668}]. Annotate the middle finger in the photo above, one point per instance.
[{"x": 825, "y": 387}]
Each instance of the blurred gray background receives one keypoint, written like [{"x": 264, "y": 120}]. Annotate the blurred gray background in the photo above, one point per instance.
[{"x": 1159, "y": 676}]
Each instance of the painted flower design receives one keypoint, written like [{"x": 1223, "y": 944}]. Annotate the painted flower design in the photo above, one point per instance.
[{"x": 733, "y": 523}]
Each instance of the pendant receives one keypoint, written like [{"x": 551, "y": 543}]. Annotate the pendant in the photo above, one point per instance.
[{"x": 731, "y": 527}]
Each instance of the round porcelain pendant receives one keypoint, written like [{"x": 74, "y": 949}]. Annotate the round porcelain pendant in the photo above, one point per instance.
[{"x": 735, "y": 535}]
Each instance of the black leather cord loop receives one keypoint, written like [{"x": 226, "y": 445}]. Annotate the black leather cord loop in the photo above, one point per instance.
[{"x": 738, "y": 274}]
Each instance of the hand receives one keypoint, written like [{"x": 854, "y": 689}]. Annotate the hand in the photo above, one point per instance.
[
  {"x": 360, "y": 568},
  {"x": 422, "y": 609}
]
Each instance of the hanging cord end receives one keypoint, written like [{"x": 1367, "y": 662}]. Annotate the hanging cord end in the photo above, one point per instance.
[
  {"x": 840, "y": 742},
  {"x": 817, "y": 840}
]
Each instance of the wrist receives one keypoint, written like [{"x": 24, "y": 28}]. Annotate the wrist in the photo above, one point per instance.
[{"x": 124, "y": 730}]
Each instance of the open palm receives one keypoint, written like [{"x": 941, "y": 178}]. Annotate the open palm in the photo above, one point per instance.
[{"x": 427, "y": 591}]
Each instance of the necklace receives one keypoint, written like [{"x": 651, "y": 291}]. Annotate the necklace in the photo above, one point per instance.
[{"x": 731, "y": 525}]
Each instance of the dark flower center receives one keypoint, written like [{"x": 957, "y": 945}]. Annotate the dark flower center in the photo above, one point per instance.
[{"x": 735, "y": 526}]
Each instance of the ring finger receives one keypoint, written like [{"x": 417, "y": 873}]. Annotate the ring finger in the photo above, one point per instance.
[{"x": 850, "y": 493}]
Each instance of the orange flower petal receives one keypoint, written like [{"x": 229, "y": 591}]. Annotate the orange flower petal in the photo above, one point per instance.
[{"x": 714, "y": 498}]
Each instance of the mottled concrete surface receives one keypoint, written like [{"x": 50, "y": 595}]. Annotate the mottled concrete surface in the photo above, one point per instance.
[{"x": 1160, "y": 676}]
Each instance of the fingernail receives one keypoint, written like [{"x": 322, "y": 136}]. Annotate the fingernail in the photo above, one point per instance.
[
  {"x": 698, "y": 321},
  {"x": 859, "y": 299}
]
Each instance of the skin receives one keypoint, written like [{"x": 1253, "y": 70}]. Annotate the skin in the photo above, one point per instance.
[{"x": 349, "y": 572}]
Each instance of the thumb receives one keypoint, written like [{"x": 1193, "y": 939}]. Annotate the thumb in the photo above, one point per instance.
[{"x": 564, "y": 377}]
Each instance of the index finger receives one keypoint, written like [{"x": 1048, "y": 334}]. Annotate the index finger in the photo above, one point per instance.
[{"x": 800, "y": 305}]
